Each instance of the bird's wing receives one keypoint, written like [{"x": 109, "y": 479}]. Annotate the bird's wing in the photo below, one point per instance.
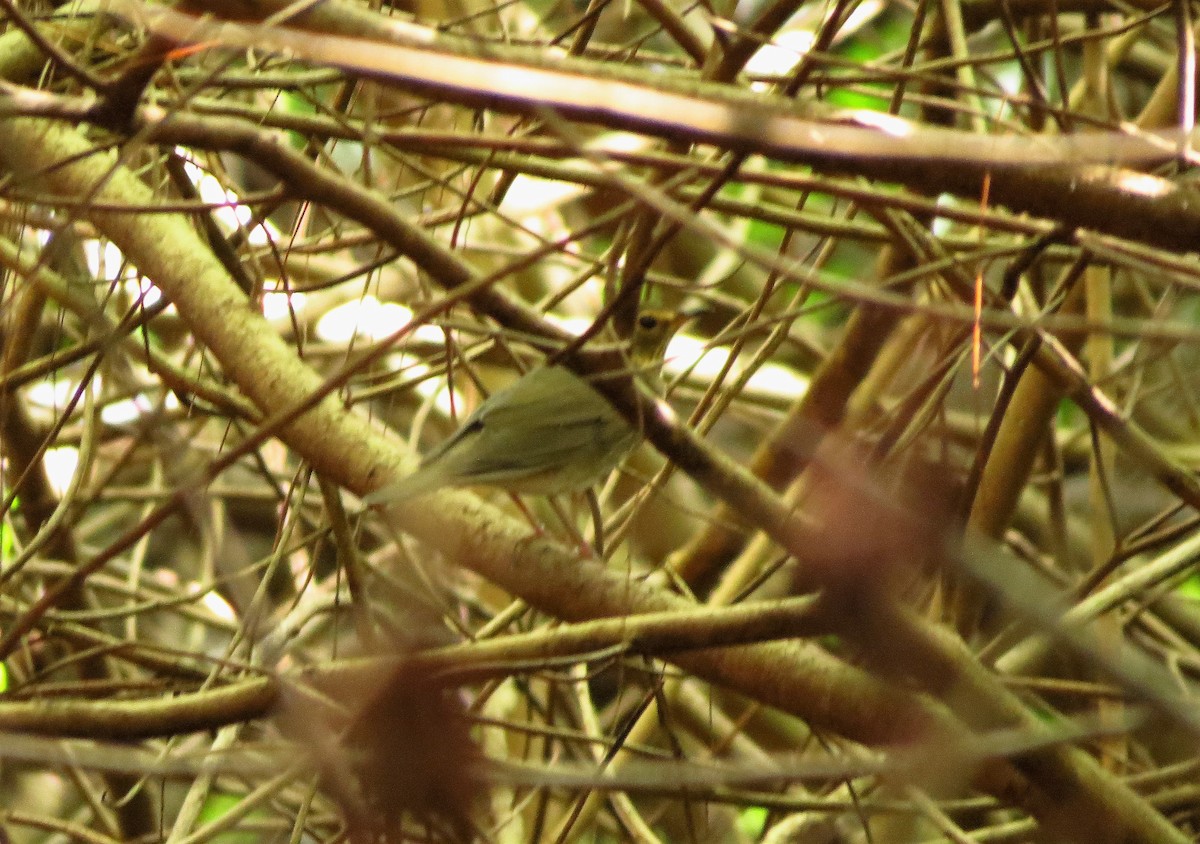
[
  {"x": 547, "y": 432},
  {"x": 548, "y": 420}
]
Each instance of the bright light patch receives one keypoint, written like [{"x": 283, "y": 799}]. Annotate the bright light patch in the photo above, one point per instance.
[
  {"x": 61, "y": 464},
  {"x": 436, "y": 389},
  {"x": 277, "y": 307},
  {"x": 365, "y": 317},
  {"x": 617, "y": 142},
  {"x": 779, "y": 56},
  {"x": 688, "y": 354},
  {"x": 215, "y": 604},
  {"x": 428, "y": 333},
  {"x": 889, "y": 124},
  {"x": 140, "y": 289},
  {"x": 862, "y": 15},
  {"x": 572, "y": 325},
  {"x": 796, "y": 37},
  {"x": 103, "y": 257},
  {"x": 55, "y": 394},
  {"x": 685, "y": 350},
  {"x": 775, "y": 380},
  {"x": 533, "y": 197},
  {"x": 666, "y": 411},
  {"x": 944, "y": 226},
  {"x": 104, "y": 260},
  {"x": 227, "y": 207},
  {"x": 441, "y": 397},
  {"x": 125, "y": 411},
  {"x": 681, "y": 351},
  {"x": 346, "y": 155},
  {"x": 1143, "y": 184}
]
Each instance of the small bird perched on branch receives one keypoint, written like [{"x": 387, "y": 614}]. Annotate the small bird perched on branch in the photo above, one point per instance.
[{"x": 549, "y": 432}]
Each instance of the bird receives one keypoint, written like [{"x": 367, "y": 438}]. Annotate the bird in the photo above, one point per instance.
[{"x": 549, "y": 432}]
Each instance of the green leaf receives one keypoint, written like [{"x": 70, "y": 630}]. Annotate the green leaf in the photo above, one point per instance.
[
  {"x": 215, "y": 808},
  {"x": 751, "y": 821}
]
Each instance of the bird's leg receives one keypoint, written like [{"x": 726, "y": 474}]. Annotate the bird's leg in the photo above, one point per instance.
[
  {"x": 568, "y": 522},
  {"x": 533, "y": 520}
]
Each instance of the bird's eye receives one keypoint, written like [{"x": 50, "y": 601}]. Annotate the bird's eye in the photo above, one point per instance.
[{"x": 648, "y": 322}]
